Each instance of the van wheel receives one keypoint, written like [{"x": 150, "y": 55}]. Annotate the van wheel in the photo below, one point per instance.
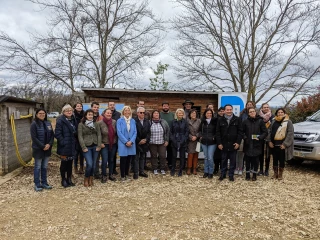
[{"x": 295, "y": 161}]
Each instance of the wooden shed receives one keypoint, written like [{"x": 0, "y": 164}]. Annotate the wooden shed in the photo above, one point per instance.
[
  {"x": 153, "y": 98},
  {"x": 22, "y": 111}
]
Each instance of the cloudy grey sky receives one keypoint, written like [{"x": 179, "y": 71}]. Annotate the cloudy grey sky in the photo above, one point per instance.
[{"x": 19, "y": 18}]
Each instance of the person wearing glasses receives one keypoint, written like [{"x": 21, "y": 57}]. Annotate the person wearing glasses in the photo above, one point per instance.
[
  {"x": 42, "y": 140},
  {"x": 66, "y": 133},
  {"x": 266, "y": 114},
  {"x": 254, "y": 132},
  {"x": 142, "y": 143}
]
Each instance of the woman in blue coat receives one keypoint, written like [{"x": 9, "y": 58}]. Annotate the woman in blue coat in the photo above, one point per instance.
[
  {"x": 42, "y": 139},
  {"x": 127, "y": 133},
  {"x": 66, "y": 133}
]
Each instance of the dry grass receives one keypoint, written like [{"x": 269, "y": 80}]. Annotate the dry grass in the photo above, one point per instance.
[{"x": 164, "y": 207}]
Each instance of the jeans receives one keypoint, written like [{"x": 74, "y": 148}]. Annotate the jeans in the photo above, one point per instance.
[
  {"x": 40, "y": 168},
  {"x": 91, "y": 157},
  {"x": 139, "y": 162},
  {"x": 224, "y": 162},
  {"x": 107, "y": 157},
  {"x": 182, "y": 155},
  {"x": 208, "y": 151}
]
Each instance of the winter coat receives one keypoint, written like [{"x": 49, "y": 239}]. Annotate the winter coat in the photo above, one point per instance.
[
  {"x": 40, "y": 137},
  {"x": 65, "y": 133},
  {"x": 289, "y": 139},
  {"x": 194, "y": 130},
  {"x": 124, "y": 136},
  {"x": 143, "y": 132},
  {"x": 179, "y": 133},
  {"x": 104, "y": 131},
  {"x": 116, "y": 115},
  {"x": 166, "y": 129},
  {"x": 208, "y": 131},
  {"x": 229, "y": 134},
  {"x": 253, "y": 126},
  {"x": 88, "y": 137}
]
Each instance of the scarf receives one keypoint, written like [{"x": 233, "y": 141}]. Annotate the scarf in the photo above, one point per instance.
[
  {"x": 156, "y": 121},
  {"x": 266, "y": 117},
  {"x": 208, "y": 120},
  {"x": 127, "y": 122},
  {"x": 282, "y": 129},
  {"x": 228, "y": 118},
  {"x": 111, "y": 134},
  {"x": 90, "y": 124}
]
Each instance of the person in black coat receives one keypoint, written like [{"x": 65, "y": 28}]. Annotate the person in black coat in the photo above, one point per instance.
[
  {"x": 142, "y": 142},
  {"x": 217, "y": 152},
  {"x": 254, "y": 132},
  {"x": 65, "y": 133},
  {"x": 179, "y": 133},
  {"x": 208, "y": 141},
  {"x": 229, "y": 135},
  {"x": 78, "y": 115},
  {"x": 42, "y": 140}
]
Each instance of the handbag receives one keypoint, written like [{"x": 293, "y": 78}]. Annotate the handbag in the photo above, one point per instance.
[{"x": 198, "y": 147}]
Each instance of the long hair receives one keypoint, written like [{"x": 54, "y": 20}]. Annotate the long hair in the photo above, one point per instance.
[
  {"x": 83, "y": 120},
  {"x": 205, "y": 112}
]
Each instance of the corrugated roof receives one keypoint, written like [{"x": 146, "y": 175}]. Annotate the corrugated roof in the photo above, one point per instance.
[{"x": 6, "y": 98}]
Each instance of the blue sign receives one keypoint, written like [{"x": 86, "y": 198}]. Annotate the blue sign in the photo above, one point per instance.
[{"x": 237, "y": 100}]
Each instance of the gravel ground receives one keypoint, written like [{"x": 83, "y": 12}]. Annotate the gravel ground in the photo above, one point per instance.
[{"x": 164, "y": 207}]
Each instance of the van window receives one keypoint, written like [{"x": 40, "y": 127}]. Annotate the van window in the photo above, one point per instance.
[{"x": 315, "y": 117}]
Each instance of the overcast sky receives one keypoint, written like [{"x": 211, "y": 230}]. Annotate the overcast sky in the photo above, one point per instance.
[{"x": 18, "y": 18}]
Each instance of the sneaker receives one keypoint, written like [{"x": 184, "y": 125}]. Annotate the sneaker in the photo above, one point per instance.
[
  {"x": 128, "y": 177},
  {"x": 163, "y": 172},
  {"x": 46, "y": 186},
  {"x": 266, "y": 173},
  {"x": 236, "y": 171},
  {"x": 240, "y": 172},
  {"x": 155, "y": 172},
  {"x": 38, "y": 188},
  {"x": 260, "y": 173},
  {"x": 123, "y": 179}
]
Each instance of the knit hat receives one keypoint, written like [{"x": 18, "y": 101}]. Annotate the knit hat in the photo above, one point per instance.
[{"x": 66, "y": 107}]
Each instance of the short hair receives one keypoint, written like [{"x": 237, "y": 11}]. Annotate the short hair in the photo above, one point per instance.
[
  {"x": 205, "y": 111},
  {"x": 276, "y": 113},
  {"x": 192, "y": 111},
  {"x": 251, "y": 108},
  {"x": 124, "y": 108},
  {"x": 83, "y": 120},
  {"x": 141, "y": 101},
  {"x": 104, "y": 111},
  {"x": 176, "y": 113},
  {"x": 37, "y": 111},
  {"x": 154, "y": 112},
  {"x": 165, "y": 103},
  {"x": 94, "y": 103},
  {"x": 220, "y": 108},
  {"x": 209, "y": 104},
  {"x": 264, "y": 104},
  {"x": 138, "y": 109},
  {"x": 228, "y": 105}
]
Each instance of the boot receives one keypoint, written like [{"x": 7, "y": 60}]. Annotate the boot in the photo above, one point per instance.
[
  {"x": 189, "y": 163},
  {"x": 248, "y": 176},
  {"x": 254, "y": 177},
  {"x": 195, "y": 163},
  {"x": 76, "y": 171},
  {"x": 104, "y": 179},
  {"x": 81, "y": 170},
  {"x": 69, "y": 182},
  {"x": 275, "y": 170},
  {"x": 64, "y": 183},
  {"x": 86, "y": 182},
  {"x": 280, "y": 173},
  {"x": 91, "y": 181}
]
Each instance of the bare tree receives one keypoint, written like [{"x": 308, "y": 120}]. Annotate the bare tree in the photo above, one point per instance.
[
  {"x": 99, "y": 43},
  {"x": 260, "y": 47}
]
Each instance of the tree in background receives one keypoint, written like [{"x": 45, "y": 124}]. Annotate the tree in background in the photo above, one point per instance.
[
  {"x": 97, "y": 43},
  {"x": 158, "y": 82},
  {"x": 259, "y": 47}
]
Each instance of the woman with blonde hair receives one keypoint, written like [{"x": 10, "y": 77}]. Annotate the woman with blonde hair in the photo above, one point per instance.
[
  {"x": 127, "y": 133},
  {"x": 179, "y": 133}
]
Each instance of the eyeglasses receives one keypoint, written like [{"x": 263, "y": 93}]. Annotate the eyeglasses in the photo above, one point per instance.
[{"x": 142, "y": 112}]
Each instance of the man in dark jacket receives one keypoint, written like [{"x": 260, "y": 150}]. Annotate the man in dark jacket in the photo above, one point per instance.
[
  {"x": 217, "y": 152},
  {"x": 229, "y": 135},
  {"x": 115, "y": 114},
  {"x": 142, "y": 142}
]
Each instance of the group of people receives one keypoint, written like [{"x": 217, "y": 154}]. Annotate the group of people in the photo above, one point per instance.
[{"x": 224, "y": 138}]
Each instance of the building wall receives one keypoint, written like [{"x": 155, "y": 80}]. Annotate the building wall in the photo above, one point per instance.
[
  {"x": 153, "y": 100},
  {"x": 8, "y": 158}
]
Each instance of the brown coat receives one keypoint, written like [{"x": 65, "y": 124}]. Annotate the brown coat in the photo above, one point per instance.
[
  {"x": 104, "y": 131},
  {"x": 194, "y": 130}
]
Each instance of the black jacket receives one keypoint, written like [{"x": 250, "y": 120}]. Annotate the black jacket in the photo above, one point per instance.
[
  {"x": 116, "y": 115},
  {"x": 253, "y": 126},
  {"x": 41, "y": 134},
  {"x": 179, "y": 133},
  {"x": 143, "y": 132},
  {"x": 65, "y": 133},
  {"x": 229, "y": 134},
  {"x": 208, "y": 131}
]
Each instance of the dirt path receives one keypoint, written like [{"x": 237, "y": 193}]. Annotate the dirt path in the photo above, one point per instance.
[{"x": 163, "y": 207}]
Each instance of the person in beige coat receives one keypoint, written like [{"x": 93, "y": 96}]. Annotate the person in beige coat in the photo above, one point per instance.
[
  {"x": 194, "y": 126},
  {"x": 280, "y": 139}
]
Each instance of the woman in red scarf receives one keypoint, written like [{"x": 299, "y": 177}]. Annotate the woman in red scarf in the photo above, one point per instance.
[{"x": 108, "y": 146}]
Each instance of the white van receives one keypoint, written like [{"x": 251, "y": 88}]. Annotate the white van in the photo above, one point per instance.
[{"x": 307, "y": 139}]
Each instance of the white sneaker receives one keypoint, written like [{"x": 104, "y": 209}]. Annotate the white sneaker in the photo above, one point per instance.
[
  {"x": 236, "y": 172},
  {"x": 155, "y": 172},
  {"x": 240, "y": 172},
  {"x": 163, "y": 172}
]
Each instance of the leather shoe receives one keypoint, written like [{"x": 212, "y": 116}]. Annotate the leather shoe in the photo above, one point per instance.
[
  {"x": 112, "y": 178},
  {"x": 210, "y": 175},
  {"x": 135, "y": 176},
  {"x": 231, "y": 178},
  {"x": 205, "y": 175},
  {"x": 143, "y": 174},
  {"x": 222, "y": 177}
]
